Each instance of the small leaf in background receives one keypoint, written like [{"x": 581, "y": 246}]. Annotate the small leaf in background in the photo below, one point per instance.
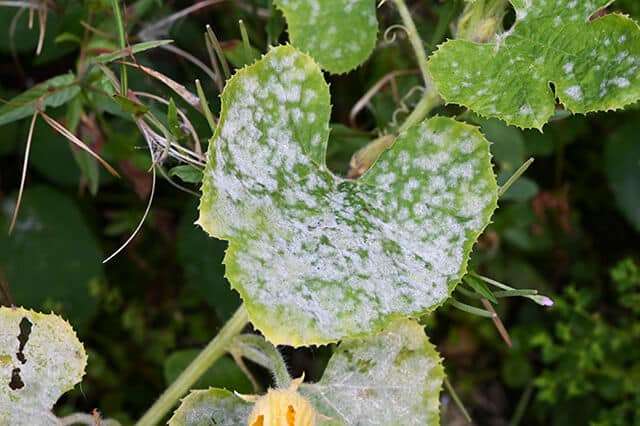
[
  {"x": 507, "y": 144},
  {"x": 51, "y": 259},
  {"x": 136, "y": 48},
  {"x": 275, "y": 25},
  {"x": 622, "y": 164},
  {"x": 223, "y": 374},
  {"x": 201, "y": 259},
  {"x": 524, "y": 189},
  {"x": 187, "y": 173},
  {"x": 219, "y": 407},
  {"x": 237, "y": 54},
  {"x": 173, "y": 121},
  {"x": 316, "y": 258},
  {"x": 54, "y": 92},
  {"x": 131, "y": 106},
  {"x": 40, "y": 359},
  {"x": 391, "y": 378},
  {"x": 480, "y": 288},
  {"x": 592, "y": 63},
  {"x": 338, "y": 34}
]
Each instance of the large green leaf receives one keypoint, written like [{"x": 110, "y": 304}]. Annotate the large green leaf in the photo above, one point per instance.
[
  {"x": 592, "y": 63},
  {"x": 40, "y": 359},
  {"x": 622, "y": 164},
  {"x": 317, "y": 258},
  {"x": 51, "y": 259},
  {"x": 338, "y": 34},
  {"x": 389, "y": 379},
  {"x": 51, "y": 93},
  {"x": 211, "y": 407}
]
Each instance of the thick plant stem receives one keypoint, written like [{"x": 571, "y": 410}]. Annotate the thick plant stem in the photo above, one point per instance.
[
  {"x": 429, "y": 101},
  {"x": 430, "y": 98},
  {"x": 210, "y": 354},
  {"x": 414, "y": 38}
]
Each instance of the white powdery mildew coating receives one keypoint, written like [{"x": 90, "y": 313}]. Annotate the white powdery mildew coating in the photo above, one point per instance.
[
  {"x": 390, "y": 379},
  {"x": 211, "y": 407},
  {"x": 51, "y": 363},
  {"x": 316, "y": 257},
  {"x": 594, "y": 64},
  {"x": 339, "y": 34}
]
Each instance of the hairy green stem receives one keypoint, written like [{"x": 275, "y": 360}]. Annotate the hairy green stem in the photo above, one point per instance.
[
  {"x": 430, "y": 99},
  {"x": 123, "y": 45},
  {"x": 210, "y": 354},
  {"x": 414, "y": 38}
]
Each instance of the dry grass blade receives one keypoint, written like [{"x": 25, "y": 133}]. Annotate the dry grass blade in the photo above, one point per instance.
[
  {"x": 42, "y": 22},
  {"x": 183, "y": 116},
  {"x": 23, "y": 178},
  {"x": 24, "y": 4},
  {"x": 144, "y": 129},
  {"x": 182, "y": 91},
  {"x": 502, "y": 330},
  {"x": 74, "y": 140}
]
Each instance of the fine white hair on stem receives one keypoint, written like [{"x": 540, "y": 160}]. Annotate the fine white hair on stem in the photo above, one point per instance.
[
  {"x": 183, "y": 116},
  {"x": 148, "y": 135},
  {"x": 23, "y": 178}
]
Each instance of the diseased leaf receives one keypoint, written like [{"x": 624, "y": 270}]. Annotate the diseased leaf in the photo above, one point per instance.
[
  {"x": 211, "y": 407},
  {"x": 392, "y": 378},
  {"x": 40, "y": 359},
  {"x": 338, "y": 34},
  {"x": 593, "y": 64},
  {"x": 317, "y": 258},
  {"x": 53, "y": 93}
]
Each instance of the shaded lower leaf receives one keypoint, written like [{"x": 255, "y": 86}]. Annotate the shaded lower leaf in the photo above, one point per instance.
[
  {"x": 51, "y": 260},
  {"x": 201, "y": 259}
]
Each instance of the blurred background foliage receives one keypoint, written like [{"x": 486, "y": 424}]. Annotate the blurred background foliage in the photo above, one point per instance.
[{"x": 568, "y": 228}]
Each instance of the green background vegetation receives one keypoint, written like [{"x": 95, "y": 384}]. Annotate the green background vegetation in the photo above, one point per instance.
[{"x": 569, "y": 228}]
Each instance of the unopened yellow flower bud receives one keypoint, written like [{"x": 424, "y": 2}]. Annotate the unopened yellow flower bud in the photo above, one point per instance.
[{"x": 283, "y": 407}]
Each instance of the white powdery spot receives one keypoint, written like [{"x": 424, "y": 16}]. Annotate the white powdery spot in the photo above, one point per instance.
[
  {"x": 621, "y": 82},
  {"x": 575, "y": 93},
  {"x": 568, "y": 67}
]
